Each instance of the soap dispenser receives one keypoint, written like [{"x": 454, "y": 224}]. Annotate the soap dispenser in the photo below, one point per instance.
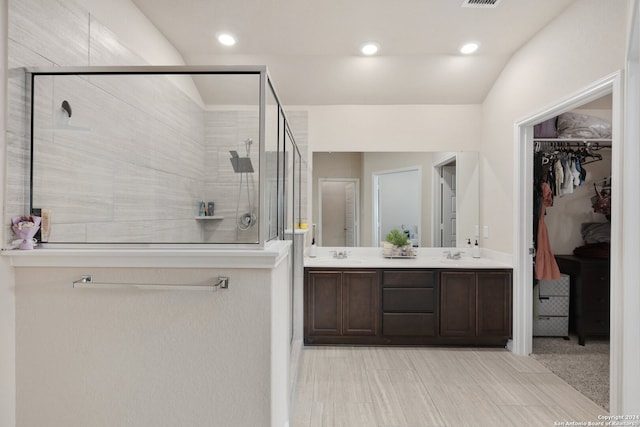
[
  {"x": 469, "y": 244},
  {"x": 475, "y": 252}
]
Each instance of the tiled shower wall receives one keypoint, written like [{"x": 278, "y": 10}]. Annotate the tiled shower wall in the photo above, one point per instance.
[
  {"x": 99, "y": 193},
  {"x": 226, "y": 131},
  {"x": 144, "y": 134}
]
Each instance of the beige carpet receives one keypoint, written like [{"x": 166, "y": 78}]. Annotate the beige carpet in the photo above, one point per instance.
[{"x": 585, "y": 368}]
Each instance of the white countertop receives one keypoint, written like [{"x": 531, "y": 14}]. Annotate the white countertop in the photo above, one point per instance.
[
  {"x": 426, "y": 258},
  {"x": 170, "y": 257}
]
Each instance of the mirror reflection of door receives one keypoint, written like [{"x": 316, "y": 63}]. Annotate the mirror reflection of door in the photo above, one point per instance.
[
  {"x": 448, "y": 206},
  {"x": 447, "y": 209},
  {"x": 397, "y": 203},
  {"x": 339, "y": 201}
]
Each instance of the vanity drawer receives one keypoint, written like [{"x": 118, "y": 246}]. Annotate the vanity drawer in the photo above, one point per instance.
[
  {"x": 408, "y": 300},
  {"x": 408, "y": 279},
  {"x": 415, "y": 324}
]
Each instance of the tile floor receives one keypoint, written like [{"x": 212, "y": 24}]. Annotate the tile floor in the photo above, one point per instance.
[{"x": 424, "y": 387}]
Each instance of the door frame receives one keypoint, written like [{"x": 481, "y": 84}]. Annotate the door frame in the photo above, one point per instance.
[
  {"x": 356, "y": 182},
  {"x": 437, "y": 192},
  {"x": 523, "y": 220}
]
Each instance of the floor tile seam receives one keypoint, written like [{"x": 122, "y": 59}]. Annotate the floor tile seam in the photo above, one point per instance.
[
  {"x": 428, "y": 393},
  {"x": 395, "y": 401}
]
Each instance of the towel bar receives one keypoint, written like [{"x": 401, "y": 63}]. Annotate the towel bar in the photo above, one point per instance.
[{"x": 87, "y": 282}]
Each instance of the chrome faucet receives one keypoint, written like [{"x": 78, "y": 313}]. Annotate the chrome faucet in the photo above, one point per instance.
[
  {"x": 453, "y": 255},
  {"x": 339, "y": 254}
]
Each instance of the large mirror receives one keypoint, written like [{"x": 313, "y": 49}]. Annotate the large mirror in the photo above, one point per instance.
[{"x": 360, "y": 196}]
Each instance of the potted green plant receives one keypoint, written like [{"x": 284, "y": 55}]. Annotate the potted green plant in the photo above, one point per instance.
[
  {"x": 397, "y": 244},
  {"x": 397, "y": 238}
]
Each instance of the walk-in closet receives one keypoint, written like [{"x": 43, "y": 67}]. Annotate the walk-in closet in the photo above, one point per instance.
[{"x": 571, "y": 233}]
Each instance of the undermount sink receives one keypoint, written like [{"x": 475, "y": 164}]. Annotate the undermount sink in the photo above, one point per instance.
[
  {"x": 331, "y": 260},
  {"x": 465, "y": 260}
]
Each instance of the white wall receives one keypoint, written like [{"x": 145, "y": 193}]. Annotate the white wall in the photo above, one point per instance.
[
  {"x": 581, "y": 46},
  {"x": 394, "y": 127},
  {"x": 7, "y": 281}
]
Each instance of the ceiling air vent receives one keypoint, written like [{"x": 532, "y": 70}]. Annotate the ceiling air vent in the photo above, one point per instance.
[{"x": 487, "y": 4}]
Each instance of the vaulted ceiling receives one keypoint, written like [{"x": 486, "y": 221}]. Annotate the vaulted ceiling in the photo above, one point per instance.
[{"x": 312, "y": 48}]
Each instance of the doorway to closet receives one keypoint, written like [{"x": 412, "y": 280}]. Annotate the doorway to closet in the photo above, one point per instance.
[{"x": 572, "y": 186}]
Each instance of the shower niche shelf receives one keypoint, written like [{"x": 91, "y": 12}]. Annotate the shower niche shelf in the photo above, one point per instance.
[{"x": 201, "y": 218}]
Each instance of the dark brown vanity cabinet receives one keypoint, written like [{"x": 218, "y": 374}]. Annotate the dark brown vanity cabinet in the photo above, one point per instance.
[
  {"x": 409, "y": 307},
  {"x": 340, "y": 305},
  {"x": 417, "y": 306},
  {"x": 475, "y": 306}
]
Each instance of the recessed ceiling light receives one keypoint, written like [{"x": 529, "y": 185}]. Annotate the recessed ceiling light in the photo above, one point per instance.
[
  {"x": 469, "y": 48},
  {"x": 226, "y": 39},
  {"x": 369, "y": 49}
]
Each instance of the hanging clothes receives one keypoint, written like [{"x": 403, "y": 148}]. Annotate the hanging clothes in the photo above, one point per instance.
[{"x": 546, "y": 267}]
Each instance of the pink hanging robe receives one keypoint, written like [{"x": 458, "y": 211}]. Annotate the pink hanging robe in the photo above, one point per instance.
[{"x": 546, "y": 267}]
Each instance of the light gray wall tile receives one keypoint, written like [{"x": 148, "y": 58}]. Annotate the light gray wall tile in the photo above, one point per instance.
[
  {"x": 55, "y": 29},
  {"x": 105, "y": 49}
]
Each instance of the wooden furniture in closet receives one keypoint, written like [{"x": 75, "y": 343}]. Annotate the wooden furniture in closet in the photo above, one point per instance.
[{"x": 589, "y": 296}]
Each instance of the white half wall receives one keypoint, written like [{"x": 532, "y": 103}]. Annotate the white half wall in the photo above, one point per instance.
[{"x": 116, "y": 357}]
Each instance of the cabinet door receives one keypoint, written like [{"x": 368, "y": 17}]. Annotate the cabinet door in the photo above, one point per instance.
[
  {"x": 457, "y": 304},
  {"x": 494, "y": 304},
  {"x": 359, "y": 303},
  {"x": 323, "y": 303}
]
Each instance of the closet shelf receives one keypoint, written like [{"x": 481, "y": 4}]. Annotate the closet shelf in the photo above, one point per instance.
[
  {"x": 572, "y": 140},
  {"x": 209, "y": 217}
]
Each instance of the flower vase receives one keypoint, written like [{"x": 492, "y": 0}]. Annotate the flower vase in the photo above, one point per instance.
[{"x": 27, "y": 244}]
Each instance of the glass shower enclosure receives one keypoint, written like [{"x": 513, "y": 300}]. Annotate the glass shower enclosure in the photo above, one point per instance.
[{"x": 161, "y": 155}]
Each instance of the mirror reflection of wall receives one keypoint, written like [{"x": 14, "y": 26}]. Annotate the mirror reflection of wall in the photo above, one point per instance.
[{"x": 365, "y": 165}]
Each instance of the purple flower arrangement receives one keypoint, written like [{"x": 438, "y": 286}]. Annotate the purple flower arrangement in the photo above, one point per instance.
[{"x": 25, "y": 227}]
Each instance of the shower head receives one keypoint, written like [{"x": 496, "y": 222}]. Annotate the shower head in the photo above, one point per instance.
[{"x": 240, "y": 164}]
